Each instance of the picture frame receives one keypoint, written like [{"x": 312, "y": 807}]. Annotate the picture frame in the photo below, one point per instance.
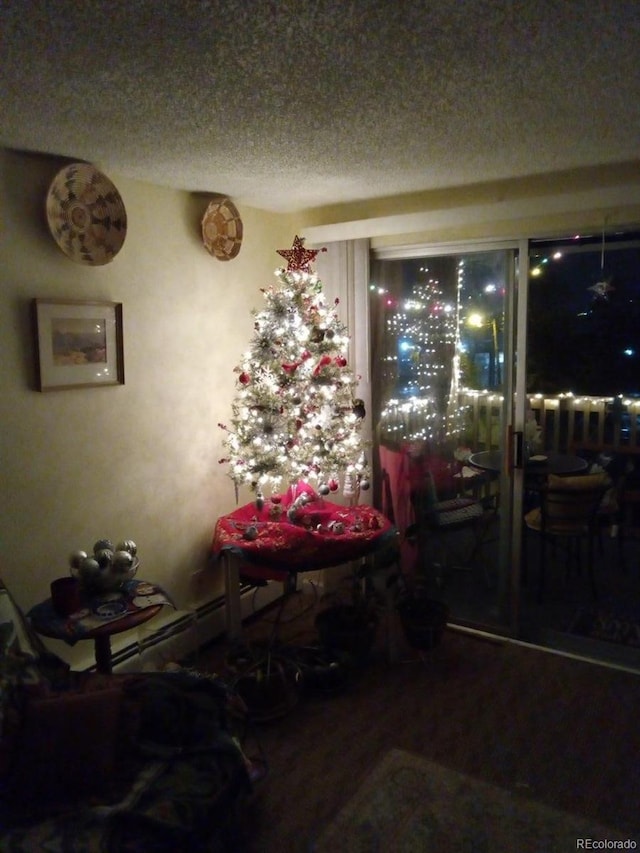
[{"x": 79, "y": 344}]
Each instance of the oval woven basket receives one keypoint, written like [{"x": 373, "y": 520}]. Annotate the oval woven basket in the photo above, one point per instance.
[{"x": 222, "y": 229}]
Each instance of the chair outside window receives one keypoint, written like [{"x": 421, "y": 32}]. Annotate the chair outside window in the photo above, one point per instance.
[
  {"x": 629, "y": 514},
  {"x": 568, "y": 513},
  {"x": 440, "y": 523}
]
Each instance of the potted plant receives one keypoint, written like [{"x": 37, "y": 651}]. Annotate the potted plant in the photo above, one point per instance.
[
  {"x": 269, "y": 687},
  {"x": 323, "y": 671},
  {"x": 423, "y": 618},
  {"x": 348, "y": 627}
]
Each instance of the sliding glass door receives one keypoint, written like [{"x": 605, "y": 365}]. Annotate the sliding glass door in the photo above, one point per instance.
[
  {"x": 478, "y": 352},
  {"x": 444, "y": 388}
]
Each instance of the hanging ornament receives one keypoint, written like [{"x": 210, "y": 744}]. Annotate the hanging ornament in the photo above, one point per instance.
[
  {"x": 349, "y": 488},
  {"x": 365, "y": 485},
  {"x": 259, "y": 501},
  {"x": 275, "y": 512},
  {"x": 358, "y": 409},
  {"x": 323, "y": 489},
  {"x": 603, "y": 286},
  {"x": 602, "y": 289},
  {"x": 324, "y": 361}
]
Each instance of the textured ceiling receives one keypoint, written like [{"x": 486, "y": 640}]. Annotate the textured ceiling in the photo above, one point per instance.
[{"x": 288, "y": 105}]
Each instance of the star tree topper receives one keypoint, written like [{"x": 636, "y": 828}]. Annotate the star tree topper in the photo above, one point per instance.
[{"x": 298, "y": 258}]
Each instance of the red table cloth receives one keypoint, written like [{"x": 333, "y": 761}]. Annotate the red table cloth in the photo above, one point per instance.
[{"x": 299, "y": 531}]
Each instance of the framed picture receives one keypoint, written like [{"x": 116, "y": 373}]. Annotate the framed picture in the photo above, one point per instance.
[{"x": 79, "y": 344}]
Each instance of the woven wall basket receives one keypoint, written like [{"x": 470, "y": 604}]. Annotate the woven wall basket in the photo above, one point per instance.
[
  {"x": 222, "y": 229},
  {"x": 86, "y": 215}
]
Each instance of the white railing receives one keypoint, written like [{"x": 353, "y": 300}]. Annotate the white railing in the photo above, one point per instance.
[
  {"x": 571, "y": 422},
  {"x": 566, "y": 421}
]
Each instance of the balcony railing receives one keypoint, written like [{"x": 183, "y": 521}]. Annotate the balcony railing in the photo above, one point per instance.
[{"x": 567, "y": 422}]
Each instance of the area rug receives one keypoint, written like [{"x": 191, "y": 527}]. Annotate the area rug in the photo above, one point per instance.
[
  {"x": 615, "y": 623},
  {"x": 410, "y": 805}
]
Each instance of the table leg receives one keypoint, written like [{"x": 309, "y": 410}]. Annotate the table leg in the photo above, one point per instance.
[
  {"x": 232, "y": 597},
  {"x": 102, "y": 646}
]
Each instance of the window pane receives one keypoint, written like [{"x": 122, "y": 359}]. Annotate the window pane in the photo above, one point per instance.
[
  {"x": 437, "y": 331},
  {"x": 584, "y": 316}
]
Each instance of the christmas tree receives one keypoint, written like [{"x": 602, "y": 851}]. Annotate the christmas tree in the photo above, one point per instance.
[{"x": 295, "y": 416}]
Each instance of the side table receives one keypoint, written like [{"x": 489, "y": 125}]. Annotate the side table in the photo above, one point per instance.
[{"x": 86, "y": 626}]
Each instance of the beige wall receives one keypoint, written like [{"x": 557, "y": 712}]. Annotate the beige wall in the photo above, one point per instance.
[
  {"x": 140, "y": 460},
  {"x": 534, "y": 206}
]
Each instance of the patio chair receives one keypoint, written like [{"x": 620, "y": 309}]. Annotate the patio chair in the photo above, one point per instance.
[
  {"x": 628, "y": 515},
  {"x": 568, "y": 513},
  {"x": 437, "y": 522}
]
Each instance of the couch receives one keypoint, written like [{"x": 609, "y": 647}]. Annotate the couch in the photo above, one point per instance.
[{"x": 114, "y": 763}]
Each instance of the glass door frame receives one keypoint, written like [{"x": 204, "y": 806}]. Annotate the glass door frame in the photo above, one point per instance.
[
  {"x": 513, "y": 425},
  {"x": 513, "y": 411}
]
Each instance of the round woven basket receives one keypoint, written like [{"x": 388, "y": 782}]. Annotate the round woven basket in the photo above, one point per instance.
[
  {"x": 222, "y": 229},
  {"x": 86, "y": 215}
]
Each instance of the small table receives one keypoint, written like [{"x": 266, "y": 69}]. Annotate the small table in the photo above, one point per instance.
[
  {"x": 545, "y": 464},
  {"x": 49, "y": 623},
  {"x": 266, "y": 543}
]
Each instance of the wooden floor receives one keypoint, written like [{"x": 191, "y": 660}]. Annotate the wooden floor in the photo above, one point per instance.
[{"x": 560, "y": 731}]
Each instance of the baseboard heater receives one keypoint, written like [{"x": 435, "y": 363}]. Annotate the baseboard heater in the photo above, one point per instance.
[{"x": 176, "y": 635}]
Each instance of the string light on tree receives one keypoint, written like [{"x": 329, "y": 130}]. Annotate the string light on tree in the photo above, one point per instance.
[
  {"x": 295, "y": 415},
  {"x": 425, "y": 368}
]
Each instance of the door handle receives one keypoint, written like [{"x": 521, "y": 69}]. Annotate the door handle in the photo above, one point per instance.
[{"x": 518, "y": 449}]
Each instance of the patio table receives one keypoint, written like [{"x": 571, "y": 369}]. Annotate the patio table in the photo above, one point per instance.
[{"x": 538, "y": 465}]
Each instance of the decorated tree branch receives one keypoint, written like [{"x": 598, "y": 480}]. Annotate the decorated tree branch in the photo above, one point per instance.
[{"x": 296, "y": 416}]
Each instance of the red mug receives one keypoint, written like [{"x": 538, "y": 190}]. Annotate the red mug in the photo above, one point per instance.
[{"x": 65, "y": 595}]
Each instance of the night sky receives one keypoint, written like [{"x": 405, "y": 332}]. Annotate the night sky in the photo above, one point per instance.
[{"x": 579, "y": 340}]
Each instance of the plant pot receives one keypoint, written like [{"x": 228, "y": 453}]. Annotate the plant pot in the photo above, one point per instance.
[
  {"x": 347, "y": 629},
  {"x": 423, "y": 621},
  {"x": 322, "y": 670},
  {"x": 270, "y": 689}
]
